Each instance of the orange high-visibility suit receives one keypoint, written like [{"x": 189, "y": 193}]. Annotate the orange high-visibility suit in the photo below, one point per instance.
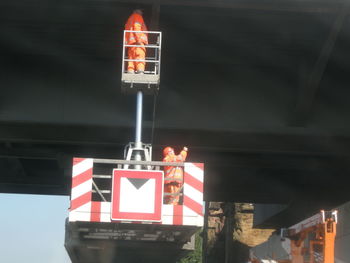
[
  {"x": 173, "y": 175},
  {"x": 135, "y": 22}
]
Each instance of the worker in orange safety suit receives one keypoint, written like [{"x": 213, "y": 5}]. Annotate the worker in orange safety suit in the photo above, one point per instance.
[
  {"x": 135, "y": 22},
  {"x": 173, "y": 175}
]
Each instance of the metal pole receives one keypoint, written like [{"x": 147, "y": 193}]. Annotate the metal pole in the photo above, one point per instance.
[
  {"x": 228, "y": 232},
  {"x": 138, "y": 133},
  {"x": 123, "y": 60},
  {"x": 205, "y": 233}
]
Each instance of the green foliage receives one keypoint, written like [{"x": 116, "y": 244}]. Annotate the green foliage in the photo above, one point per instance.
[{"x": 196, "y": 255}]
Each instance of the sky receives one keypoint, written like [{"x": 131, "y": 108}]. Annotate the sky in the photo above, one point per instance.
[{"x": 32, "y": 228}]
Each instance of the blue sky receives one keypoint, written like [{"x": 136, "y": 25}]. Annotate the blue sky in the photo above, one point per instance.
[{"x": 32, "y": 228}]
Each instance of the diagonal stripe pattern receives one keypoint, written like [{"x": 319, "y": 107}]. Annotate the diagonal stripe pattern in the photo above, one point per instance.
[
  {"x": 193, "y": 187},
  {"x": 81, "y": 182}
]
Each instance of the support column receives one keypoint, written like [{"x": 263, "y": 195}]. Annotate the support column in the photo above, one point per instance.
[
  {"x": 329, "y": 239},
  {"x": 138, "y": 132},
  {"x": 228, "y": 232},
  {"x": 205, "y": 233}
]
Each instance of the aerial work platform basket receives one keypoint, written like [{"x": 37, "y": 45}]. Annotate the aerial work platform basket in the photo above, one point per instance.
[
  {"x": 309, "y": 241},
  {"x": 132, "y": 200},
  {"x": 148, "y": 82}
]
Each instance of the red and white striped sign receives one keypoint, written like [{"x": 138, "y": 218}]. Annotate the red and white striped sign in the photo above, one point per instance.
[
  {"x": 81, "y": 186},
  {"x": 84, "y": 209}
]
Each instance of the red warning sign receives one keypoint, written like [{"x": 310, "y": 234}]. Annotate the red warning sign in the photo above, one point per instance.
[{"x": 137, "y": 195}]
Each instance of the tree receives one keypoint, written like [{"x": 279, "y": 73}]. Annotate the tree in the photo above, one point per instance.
[{"x": 196, "y": 255}]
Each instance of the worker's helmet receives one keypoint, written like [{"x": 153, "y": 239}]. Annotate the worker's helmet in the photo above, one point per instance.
[
  {"x": 138, "y": 11},
  {"x": 167, "y": 150}
]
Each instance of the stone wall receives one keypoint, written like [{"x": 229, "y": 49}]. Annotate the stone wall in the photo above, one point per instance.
[{"x": 242, "y": 234}]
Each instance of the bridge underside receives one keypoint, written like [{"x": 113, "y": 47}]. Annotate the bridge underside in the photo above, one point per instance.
[{"x": 257, "y": 92}]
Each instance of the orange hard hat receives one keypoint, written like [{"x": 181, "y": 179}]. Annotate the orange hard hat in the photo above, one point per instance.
[{"x": 167, "y": 150}]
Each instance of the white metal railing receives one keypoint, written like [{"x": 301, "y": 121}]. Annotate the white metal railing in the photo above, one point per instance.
[
  {"x": 154, "y": 47},
  {"x": 104, "y": 193}
]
